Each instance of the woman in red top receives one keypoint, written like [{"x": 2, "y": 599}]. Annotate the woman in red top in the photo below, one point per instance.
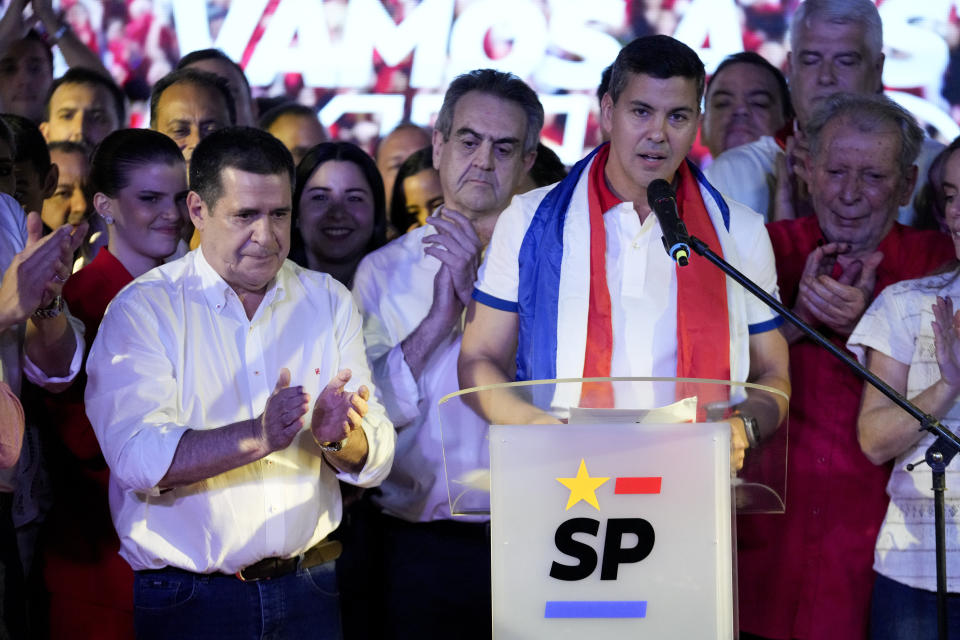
[{"x": 139, "y": 181}]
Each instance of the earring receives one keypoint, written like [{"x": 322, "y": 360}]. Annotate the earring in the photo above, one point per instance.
[{"x": 107, "y": 218}]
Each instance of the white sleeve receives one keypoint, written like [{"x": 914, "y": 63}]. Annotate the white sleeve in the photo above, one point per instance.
[
  {"x": 758, "y": 264},
  {"x": 741, "y": 177},
  {"x": 396, "y": 385},
  {"x": 381, "y": 438},
  {"x": 131, "y": 395},
  {"x": 56, "y": 384},
  {"x": 499, "y": 276},
  {"x": 888, "y": 325}
]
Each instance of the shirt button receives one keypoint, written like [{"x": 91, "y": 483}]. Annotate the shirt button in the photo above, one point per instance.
[
  {"x": 822, "y": 460},
  {"x": 256, "y": 373},
  {"x": 815, "y": 511}
]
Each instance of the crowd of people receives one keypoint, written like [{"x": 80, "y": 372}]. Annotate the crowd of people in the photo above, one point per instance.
[{"x": 224, "y": 338}]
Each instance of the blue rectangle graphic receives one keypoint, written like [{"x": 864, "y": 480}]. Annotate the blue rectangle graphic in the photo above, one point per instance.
[{"x": 595, "y": 609}]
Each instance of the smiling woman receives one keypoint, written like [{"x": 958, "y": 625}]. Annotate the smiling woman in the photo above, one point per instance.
[
  {"x": 339, "y": 209},
  {"x": 139, "y": 184}
]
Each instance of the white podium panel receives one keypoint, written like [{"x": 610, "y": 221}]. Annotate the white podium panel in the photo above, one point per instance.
[{"x": 611, "y": 531}]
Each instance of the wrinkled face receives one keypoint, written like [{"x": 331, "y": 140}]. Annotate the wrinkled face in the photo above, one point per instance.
[
  {"x": 830, "y": 58},
  {"x": 80, "y": 113},
  {"x": 298, "y": 133},
  {"x": 187, "y": 113},
  {"x": 246, "y": 116},
  {"x": 25, "y": 79},
  {"x": 856, "y": 184},
  {"x": 951, "y": 198},
  {"x": 336, "y": 212},
  {"x": 8, "y": 178},
  {"x": 395, "y": 148},
  {"x": 743, "y": 103},
  {"x": 69, "y": 203},
  {"x": 652, "y": 128},
  {"x": 482, "y": 162},
  {"x": 149, "y": 213},
  {"x": 245, "y": 235},
  {"x": 423, "y": 194}
]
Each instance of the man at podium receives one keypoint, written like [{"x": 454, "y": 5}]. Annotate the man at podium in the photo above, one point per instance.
[{"x": 575, "y": 282}]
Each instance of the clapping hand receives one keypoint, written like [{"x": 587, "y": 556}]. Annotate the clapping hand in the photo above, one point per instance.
[{"x": 338, "y": 412}]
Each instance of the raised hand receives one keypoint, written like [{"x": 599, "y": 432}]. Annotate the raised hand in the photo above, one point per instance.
[
  {"x": 837, "y": 303},
  {"x": 13, "y": 26},
  {"x": 36, "y": 275},
  {"x": 338, "y": 412},
  {"x": 458, "y": 247},
  {"x": 282, "y": 418},
  {"x": 946, "y": 339}
]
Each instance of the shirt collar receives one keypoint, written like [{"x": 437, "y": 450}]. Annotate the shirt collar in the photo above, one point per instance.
[{"x": 218, "y": 292}]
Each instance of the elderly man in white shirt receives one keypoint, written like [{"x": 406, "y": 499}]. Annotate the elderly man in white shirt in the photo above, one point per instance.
[
  {"x": 223, "y": 483},
  {"x": 412, "y": 294}
]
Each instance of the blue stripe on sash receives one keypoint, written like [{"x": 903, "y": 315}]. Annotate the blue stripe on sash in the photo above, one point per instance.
[
  {"x": 539, "y": 260},
  {"x": 541, "y": 253}
]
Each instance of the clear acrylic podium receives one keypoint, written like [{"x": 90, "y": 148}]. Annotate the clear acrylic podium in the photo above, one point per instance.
[{"x": 612, "y": 522}]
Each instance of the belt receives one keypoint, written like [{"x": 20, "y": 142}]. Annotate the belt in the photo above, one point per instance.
[{"x": 322, "y": 552}]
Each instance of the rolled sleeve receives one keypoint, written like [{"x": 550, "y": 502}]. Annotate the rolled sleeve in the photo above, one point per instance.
[
  {"x": 498, "y": 280},
  {"x": 131, "y": 397}
]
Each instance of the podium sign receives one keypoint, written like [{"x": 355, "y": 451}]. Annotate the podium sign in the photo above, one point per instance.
[{"x": 611, "y": 531}]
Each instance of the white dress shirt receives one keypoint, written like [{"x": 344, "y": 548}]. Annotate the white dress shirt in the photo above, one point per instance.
[
  {"x": 393, "y": 287},
  {"x": 642, "y": 280},
  {"x": 175, "y": 351}
]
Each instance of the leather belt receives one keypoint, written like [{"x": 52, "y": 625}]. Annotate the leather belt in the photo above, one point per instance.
[{"x": 324, "y": 551}]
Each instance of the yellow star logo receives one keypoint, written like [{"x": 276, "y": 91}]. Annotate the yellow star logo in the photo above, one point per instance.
[{"x": 583, "y": 487}]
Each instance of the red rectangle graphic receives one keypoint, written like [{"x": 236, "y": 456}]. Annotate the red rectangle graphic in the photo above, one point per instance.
[{"x": 638, "y": 485}]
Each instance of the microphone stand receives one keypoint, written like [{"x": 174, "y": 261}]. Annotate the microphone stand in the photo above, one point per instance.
[{"x": 938, "y": 456}]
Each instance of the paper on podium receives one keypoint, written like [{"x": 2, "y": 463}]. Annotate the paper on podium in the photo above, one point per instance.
[
  {"x": 681, "y": 411},
  {"x": 760, "y": 485}
]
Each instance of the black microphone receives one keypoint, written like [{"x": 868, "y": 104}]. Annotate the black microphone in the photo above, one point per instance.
[{"x": 662, "y": 200}]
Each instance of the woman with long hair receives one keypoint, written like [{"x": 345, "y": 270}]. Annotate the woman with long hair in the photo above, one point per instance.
[
  {"x": 910, "y": 338},
  {"x": 139, "y": 185},
  {"x": 339, "y": 210}
]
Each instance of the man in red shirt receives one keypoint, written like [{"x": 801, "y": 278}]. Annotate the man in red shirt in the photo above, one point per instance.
[{"x": 807, "y": 573}]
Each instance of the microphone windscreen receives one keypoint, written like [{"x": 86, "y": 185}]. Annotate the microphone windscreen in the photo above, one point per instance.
[{"x": 659, "y": 190}]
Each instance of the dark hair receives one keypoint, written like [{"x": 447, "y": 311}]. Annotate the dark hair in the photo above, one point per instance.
[
  {"x": 930, "y": 204},
  {"x": 749, "y": 57},
  {"x": 68, "y": 146},
  {"x": 604, "y": 85},
  {"x": 212, "y": 54},
  {"x": 287, "y": 108},
  {"x": 125, "y": 150},
  {"x": 243, "y": 148},
  {"x": 79, "y": 75},
  {"x": 28, "y": 142},
  {"x": 197, "y": 78},
  {"x": 344, "y": 152},
  {"x": 660, "y": 57},
  {"x": 6, "y": 134},
  {"x": 419, "y": 160},
  {"x": 505, "y": 86},
  {"x": 547, "y": 168},
  {"x": 34, "y": 35}
]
